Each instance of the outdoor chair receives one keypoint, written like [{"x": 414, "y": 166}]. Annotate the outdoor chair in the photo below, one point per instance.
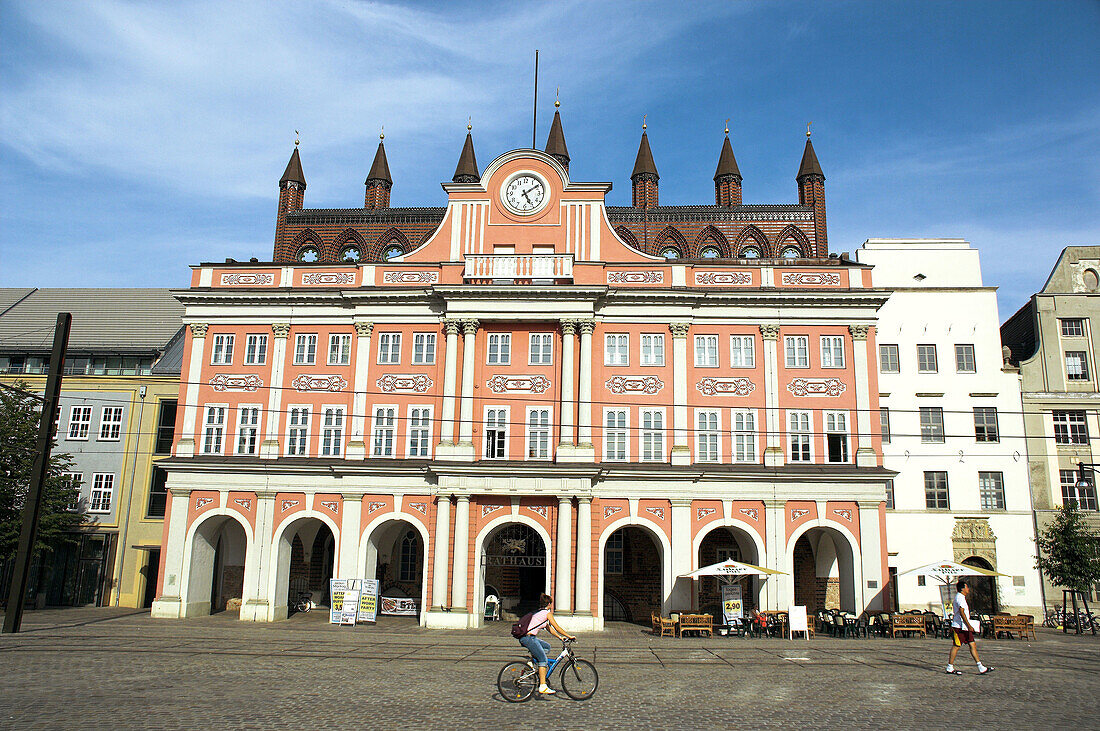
[
  {"x": 737, "y": 627},
  {"x": 863, "y": 626},
  {"x": 663, "y": 626},
  {"x": 1029, "y": 626},
  {"x": 987, "y": 625}
]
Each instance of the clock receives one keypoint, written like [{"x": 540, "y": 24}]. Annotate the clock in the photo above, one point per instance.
[{"x": 524, "y": 193}]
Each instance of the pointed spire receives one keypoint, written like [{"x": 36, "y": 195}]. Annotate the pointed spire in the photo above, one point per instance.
[
  {"x": 466, "y": 172},
  {"x": 727, "y": 163},
  {"x": 643, "y": 163},
  {"x": 810, "y": 165},
  {"x": 380, "y": 169},
  {"x": 555, "y": 142},
  {"x": 293, "y": 172}
]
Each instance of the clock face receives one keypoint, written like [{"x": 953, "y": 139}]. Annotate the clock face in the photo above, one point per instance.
[{"x": 524, "y": 194}]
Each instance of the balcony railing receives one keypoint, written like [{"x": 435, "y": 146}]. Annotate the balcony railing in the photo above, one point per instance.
[{"x": 519, "y": 268}]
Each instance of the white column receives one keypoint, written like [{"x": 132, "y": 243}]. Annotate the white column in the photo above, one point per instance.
[
  {"x": 269, "y": 449},
  {"x": 681, "y": 422},
  {"x": 773, "y": 422},
  {"x": 461, "y": 554},
  {"x": 564, "y": 545},
  {"x": 680, "y": 560},
  {"x": 868, "y": 562},
  {"x": 259, "y": 583},
  {"x": 776, "y": 593},
  {"x": 450, "y": 385},
  {"x": 169, "y": 605},
  {"x": 350, "y": 529},
  {"x": 865, "y": 453},
  {"x": 568, "y": 353},
  {"x": 357, "y": 447},
  {"x": 441, "y": 550},
  {"x": 186, "y": 445},
  {"x": 469, "y": 365},
  {"x": 584, "y": 410},
  {"x": 584, "y": 556}
]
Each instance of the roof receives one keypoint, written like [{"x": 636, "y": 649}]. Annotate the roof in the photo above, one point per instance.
[
  {"x": 380, "y": 170},
  {"x": 643, "y": 164},
  {"x": 727, "y": 163},
  {"x": 293, "y": 172},
  {"x": 10, "y": 296},
  {"x": 466, "y": 172},
  {"x": 555, "y": 142},
  {"x": 111, "y": 320},
  {"x": 810, "y": 165}
]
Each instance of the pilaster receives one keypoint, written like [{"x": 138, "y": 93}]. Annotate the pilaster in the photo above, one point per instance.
[
  {"x": 185, "y": 447},
  {"x": 773, "y": 420},
  {"x": 269, "y": 448},
  {"x": 563, "y": 544},
  {"x": 568, "y": 407},
  {"x": 461, "y": 555},
  {"x": 585, "y": 450},
  {"x": 681, "y": 424},
  {"x": 865, "y": 452},
  {"x": 357, "y": 447}
]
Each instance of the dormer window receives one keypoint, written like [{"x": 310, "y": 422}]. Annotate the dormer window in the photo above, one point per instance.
[
  {"x": 308, "y": 253},
  {"x": 670, "y": 253}
]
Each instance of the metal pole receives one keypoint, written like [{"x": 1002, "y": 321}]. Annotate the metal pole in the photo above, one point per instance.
[
  {"x": 535, "y": 110},
  {"x": 32, "y": 506}
]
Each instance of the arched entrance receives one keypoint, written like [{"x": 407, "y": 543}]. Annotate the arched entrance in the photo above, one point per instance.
[
  {"x": 823, "y": 568},
  {"x": 397, "y": 556},
  {"x": 633, "y": 576},
  {"x": 306, "y": 562},
  {"x": 219, "y": 548},
  {"x": 719, "y": 544},
  {"x": 983, "y": 589},
  {"x": 513, "y": 562}
]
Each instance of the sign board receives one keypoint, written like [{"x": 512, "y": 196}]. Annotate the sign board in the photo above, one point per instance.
[
  {"x": 399, "y": 606},
  {"x": 732, "y": 606},
  {"x": 368, "y": 600},
  {"x": 345, "y": 599},
  {"x": 796, "y": 620},
  {"x": 947, "y": 600}
]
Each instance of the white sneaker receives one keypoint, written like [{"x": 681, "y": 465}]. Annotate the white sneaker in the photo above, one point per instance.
[{"x": 546, "y": 690}]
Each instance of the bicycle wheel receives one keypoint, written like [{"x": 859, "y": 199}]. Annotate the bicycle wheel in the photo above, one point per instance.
[
  {"x": 579, "y": 679},
  {"x": 516, "y": 682}
]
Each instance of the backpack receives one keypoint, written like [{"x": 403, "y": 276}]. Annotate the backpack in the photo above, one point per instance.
[{"x": 520, "y": 628}]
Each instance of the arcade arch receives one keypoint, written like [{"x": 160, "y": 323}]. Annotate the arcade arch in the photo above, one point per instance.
[
  {"x": 635, "y": 576},
  {"x": 215, "y": 568},
  {"x": 395, "y": 552},
  {"x": 305, "y": 560},
  {"x": 824, "y": 569},
  {"x": 513, "y": 558}
]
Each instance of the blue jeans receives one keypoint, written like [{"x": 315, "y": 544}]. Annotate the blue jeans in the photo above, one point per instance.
[{"x": 537, "y": 648}]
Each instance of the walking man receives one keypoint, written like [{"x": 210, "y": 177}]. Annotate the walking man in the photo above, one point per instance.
[{"x": 962, "y": 630}]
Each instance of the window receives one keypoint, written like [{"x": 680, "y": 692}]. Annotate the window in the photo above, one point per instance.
[
  {"x": 742, "y": 351},
  {"x": 750, "y": 252},
  {"x": 305, "y": 350},
  {"x": 1072, "y": 327},
  {"x": 706, "y": 351},
  {"x": 836, "y": 435},
  {"x": 213, "y": 430},
  {"x": 799, "y": 435},
  {"x": 964, "y": 359},
  {"x": 935, "y": 490},
  {"x": 389, "y": 348},
  {"x": 1084, "y": 495},
  {"x": 1069, "y": 427},
  {"x": 308, "y": 253},
  {"x": 423, "y": 348},
  {"x": 653, "y": 350},
  {"x": 709, "y": 252},
  {"x": 884, "y": 423},
  {"x": 332, "y": 431},
  {"x": 351, "y": 254},
  {"x": 613, "y": 553},
  {"x": 888, "y": 359},
  {"x": 991, "y": 489},
  {"x": 653, "y": 435},
  {"x": 409, "y": 562},
  {"x": 540, "y": 349},
  {"x": 614, "y": 434},
  {"x": 384, "y": 417},
  {"x": 158, "y": 493},
  {"x": 931, "y": 425},
  {"x": 889, "y": 494},
  {"x": 985, "y": 424},
  {"x": 706, "y": 436},
  {"x": 832, "y": 351},
  {"x": 744, "y": 436},
  {"x": 255, "y": 350},
  {"x": 166, "y": 427},
  {"x": 392, "y": 252},
  {"x": 339, "y": 349},
  {"x": 496, "y": 434},
  {"x": 1077, "y": 365},
  {"x": 790, "y": 252},
  {"x": 80, "y": 419},
  {"x": 223, "y": 350},
  {"x": 110, "y": 423},
  {"x": 420, "y": 431},
  {"x": 74, "y": 479},
  {"x": 615, "y": 350},
  {"x": 298, "y": 431},
  {"x": 926, "y": 359},
  {"x": 538, "y": 433},
  {"x": 103, "y": 488},
  {"x": 248, "y": 429},
  {"x": 798, "y": 351},
  {"x": 500, "y": 349},
  {"x": 670, "y": 253}
]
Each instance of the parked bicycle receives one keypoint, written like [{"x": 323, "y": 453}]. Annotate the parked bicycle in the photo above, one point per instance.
[
  {"x": 304, "y": 602},
  {"x": 518, "y": 679}
]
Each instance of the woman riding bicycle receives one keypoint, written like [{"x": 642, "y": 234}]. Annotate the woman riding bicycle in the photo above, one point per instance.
[{"x": 542, "y": 618}]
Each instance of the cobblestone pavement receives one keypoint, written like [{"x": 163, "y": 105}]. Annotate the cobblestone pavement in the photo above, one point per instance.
[{"x": 119, "y": 668}]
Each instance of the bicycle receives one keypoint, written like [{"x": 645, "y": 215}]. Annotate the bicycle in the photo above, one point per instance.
[
  {"x": 304, "y": 602},
  {"x": 518, "y": 680}
]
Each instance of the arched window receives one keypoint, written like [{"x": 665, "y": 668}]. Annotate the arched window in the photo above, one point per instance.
[
  {"x": 308, "y": 253},
  {"x": 790, "y": 252},
  {"x": 710, "y": 252},
  {"x": 392, "y": 251},
  {"x": 407, "y": 569},
  {"x": 750, "y": 252},
  {"x": 351, "y": 254},
  {"x": 670, "y": 252}
]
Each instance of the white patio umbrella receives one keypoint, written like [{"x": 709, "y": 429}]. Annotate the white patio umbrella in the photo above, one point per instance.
[
  {"x": 946, "y": 572},
  {"x": 730, "y": 569}
]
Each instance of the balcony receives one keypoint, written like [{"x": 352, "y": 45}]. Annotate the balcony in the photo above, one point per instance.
[{"x": 519, "y": 269}]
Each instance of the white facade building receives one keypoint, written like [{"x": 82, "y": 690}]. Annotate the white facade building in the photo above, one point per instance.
[{"x": 952, "y": 426}]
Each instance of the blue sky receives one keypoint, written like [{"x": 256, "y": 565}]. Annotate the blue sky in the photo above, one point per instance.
[{"x": 139, "y": 138}]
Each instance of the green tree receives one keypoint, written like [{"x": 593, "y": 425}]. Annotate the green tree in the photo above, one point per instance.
[
  {"x": 1069, "y": 552},
  {"x": 20, "y": 415}
]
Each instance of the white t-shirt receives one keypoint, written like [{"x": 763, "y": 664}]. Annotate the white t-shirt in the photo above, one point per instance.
[{"x": 957, "y": 619}]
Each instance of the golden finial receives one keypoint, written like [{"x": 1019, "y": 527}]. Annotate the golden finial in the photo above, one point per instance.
[
  {"x": 727, "y": 125},
  {"x": 469, "y": 123},
  {"x": 643, "y": 121},
  {"x": 382, "y": 133},
  {"x": 296, "y": 140},
  {"x": 808, "y": 129},
  {"x": 557, "y": 91}
]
